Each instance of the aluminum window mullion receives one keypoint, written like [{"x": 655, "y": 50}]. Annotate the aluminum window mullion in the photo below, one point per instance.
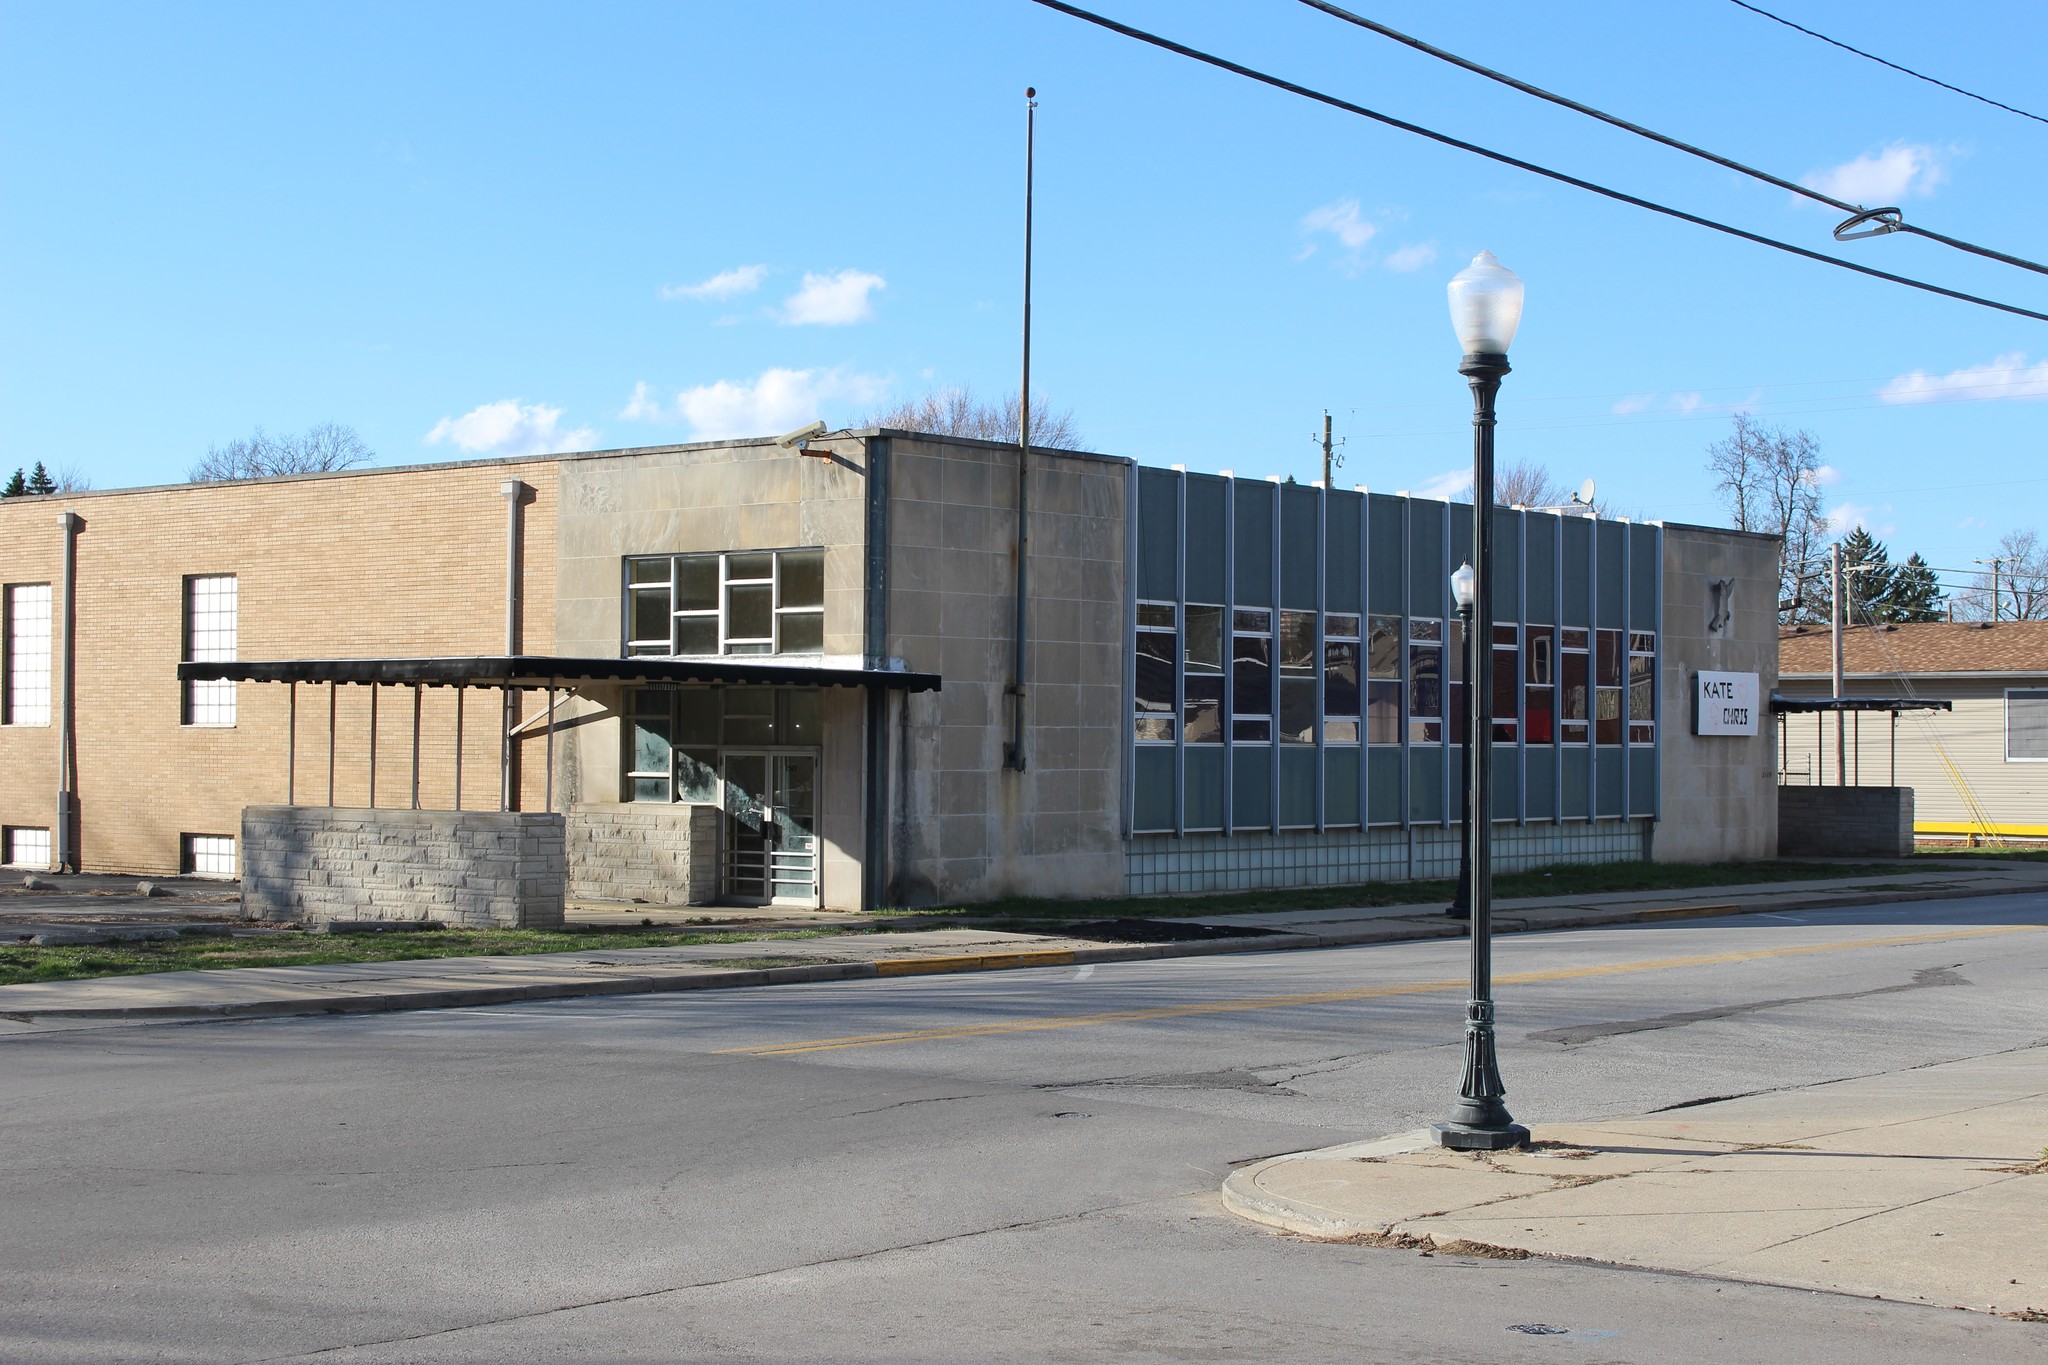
[
  {"x": 1593, "y": 671},
  {"x": 1180, "y": 653},
  {"x": 1364, "y": 659},
  {"x": 1229, "y": 688},
  {"x": 1628, "y": 564},
  {"x": 1321, "y": 661},
  {"x": 1522, "y": 673},
  {"x": 1557, "y": 669},
  {"x": 1444, "y": 669},
  {"x": 1404, "y": 712}
]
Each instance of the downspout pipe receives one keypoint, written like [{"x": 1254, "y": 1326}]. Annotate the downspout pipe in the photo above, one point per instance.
[
  {"x": 1013, "y": 752},
  {"x": 515, "y": 492},
  {"x": 64, "y": 852}
]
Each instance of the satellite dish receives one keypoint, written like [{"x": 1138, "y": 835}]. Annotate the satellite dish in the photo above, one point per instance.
[{"x": 1585, "y": 493}]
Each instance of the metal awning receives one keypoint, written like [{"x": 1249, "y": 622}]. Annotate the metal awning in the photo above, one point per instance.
[
  {"x": 1782, "y": 705},
  {"x": 540, "y": 670}
]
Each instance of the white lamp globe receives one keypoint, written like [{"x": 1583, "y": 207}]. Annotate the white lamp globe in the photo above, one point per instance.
[
  {"x": 1486, "y": 306},
  {"x": 1464, "y": 585}
]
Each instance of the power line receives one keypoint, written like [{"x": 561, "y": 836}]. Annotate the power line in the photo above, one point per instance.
[
  {"x": 1879, "y": 221},
  {"x": 1871, "y": 56},
  {"x": 1237, "y": 69}
]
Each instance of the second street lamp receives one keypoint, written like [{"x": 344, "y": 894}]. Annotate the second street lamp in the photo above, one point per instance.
[
  {"x": 1461, "y": 592},
  {"x": 1486, "y": 308}
]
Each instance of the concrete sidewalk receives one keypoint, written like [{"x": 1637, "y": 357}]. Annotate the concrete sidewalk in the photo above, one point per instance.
[
  {"x": 1926, "y": 1186},
  {"x": 435, "y": 983}
]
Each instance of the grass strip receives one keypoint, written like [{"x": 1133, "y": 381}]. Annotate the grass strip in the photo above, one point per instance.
[{"x": 22, "y": 962}]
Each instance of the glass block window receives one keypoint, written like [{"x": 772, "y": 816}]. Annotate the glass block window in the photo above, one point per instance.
[
  {"x": 25, "y": 846},
  {"x": 1575, "y": 665},
  {"x": 1342, "y": 660},
  {"x": 750, "y": 602},
  {"x": 210, "y": 637},
  {"x": 208, "y": 855},
  {"x": 1158, "y": 643},
  {"x": 1642, "y": 687},
  {"x": 1426, "y": 681},
  {"x": 1297, "y": 665},
  {"x": 1383, "y": 680},
  {"x": 1251, "y": 676},
  {"x": 1607, "y": 666},
  {"x": 2026, "y": 725},
  {"x": 25, "y": 681},
  {"x": 1539, "y": 685},
  {"x": 1202, "y": 674}
]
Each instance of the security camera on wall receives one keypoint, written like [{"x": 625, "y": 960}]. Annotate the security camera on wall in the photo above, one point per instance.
[{"x": 801, "y": 437}]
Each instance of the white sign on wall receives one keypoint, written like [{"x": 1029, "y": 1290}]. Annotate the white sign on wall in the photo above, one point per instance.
[{"x": 1725, "y": 704}]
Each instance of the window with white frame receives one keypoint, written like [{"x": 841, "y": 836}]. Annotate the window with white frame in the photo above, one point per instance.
[
  {"x": 1202, "y": 675},
  {"x": 1296, "y": 665},
  {"x": 1341, "y": 678},
  {"x": 746, "y": 602},
  {"x": 2026, "y": 725},
  {"x": 1251, "y": 676},
  {"x": 1575, "y": 662},
  {"x": 25, "y": 846},
  {"x": 210, "y": 637},
  {"x": 1158, "y": 643},
  {"x": 25, "y": 676},
  {"x": 1642, "y": 687},
  {"x": 1425, "y": 681},
  {"x": 209, "y": 855}
]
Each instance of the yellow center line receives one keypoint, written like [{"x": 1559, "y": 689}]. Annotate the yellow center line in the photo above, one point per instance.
[{"x": 1272, "y": 1002}]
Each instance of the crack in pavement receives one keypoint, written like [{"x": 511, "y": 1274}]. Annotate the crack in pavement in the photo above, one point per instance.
[
  {"x": 1586, "y": 1033},
  {"x": 929, "y": 1099},
  {"x": 637, "y": 1295}
]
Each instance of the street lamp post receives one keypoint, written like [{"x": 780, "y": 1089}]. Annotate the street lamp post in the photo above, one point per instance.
[
  {"x": 1461, "y": 904},
  {"x": 1486, "y": 308}
]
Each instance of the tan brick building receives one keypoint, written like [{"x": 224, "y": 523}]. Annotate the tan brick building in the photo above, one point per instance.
[{"x": 794, "y": 674}]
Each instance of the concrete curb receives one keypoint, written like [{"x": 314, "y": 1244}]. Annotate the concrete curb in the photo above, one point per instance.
[{"x": 1398, "y": 930}]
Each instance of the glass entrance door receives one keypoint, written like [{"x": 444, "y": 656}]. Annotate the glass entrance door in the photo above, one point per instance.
[{"x": 771, "y": 849}]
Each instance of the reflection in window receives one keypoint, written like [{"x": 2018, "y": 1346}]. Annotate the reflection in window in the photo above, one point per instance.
[
  {"x": 1642, "y": 687},
  {"x": 1158, "y": 644},
  {"x": 1607, "y": 687},
  {"x": 676, "y": 733},
  {"x": 1341, "y": 680},
  {"x": 1251, "y": 677},
  {"x": 1539, "y": 693},
  {"x": 1575, "y": 681},
  {"x": 1425, "y": 682},
  {"x": 1202, "y": 675},
  {"x": 1297, "y": 660}
]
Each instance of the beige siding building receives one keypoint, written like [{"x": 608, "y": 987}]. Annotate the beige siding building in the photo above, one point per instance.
[{"x": 1980, "y": 769}]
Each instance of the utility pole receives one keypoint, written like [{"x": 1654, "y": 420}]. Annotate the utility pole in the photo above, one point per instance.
[
  {"x": 1841, "y": 736},
  {"x": 1330, "y": 457},
  {"x": 1995, "y": 563}
]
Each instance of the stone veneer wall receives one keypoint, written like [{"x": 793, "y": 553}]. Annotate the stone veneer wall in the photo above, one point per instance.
[
  {"x": 660, "y": 854},
  {"x": 473, "y": 869},
  {"x": 1845, "y": 822}
]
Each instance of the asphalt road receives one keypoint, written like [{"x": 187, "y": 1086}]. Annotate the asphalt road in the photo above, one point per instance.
[{"x": 1013, "y": 1166}]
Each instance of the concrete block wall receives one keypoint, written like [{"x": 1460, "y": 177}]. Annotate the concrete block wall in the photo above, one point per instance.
[
  {"x": 1845, "y": 822},
  {"x": 660, "y": 854},
  {"x": 473, "y": 869}
]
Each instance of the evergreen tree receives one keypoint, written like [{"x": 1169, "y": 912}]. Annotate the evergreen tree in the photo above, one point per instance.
[
  {"x": 1915, "y": 594},
  {"x": 16, "y": 486},
  {"x": 1867, "y": 576},
  {"x": 39, "y": 480}
]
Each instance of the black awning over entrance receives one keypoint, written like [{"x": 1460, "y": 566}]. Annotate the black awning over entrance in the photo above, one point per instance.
[{"x": 540, "y": 670}]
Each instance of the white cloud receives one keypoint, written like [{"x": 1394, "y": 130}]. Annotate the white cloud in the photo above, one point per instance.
[
  {"x": 643, "y": 406},
  {"x": 1825, "y": 475},
  {"x": 1343, "y": 221},
  {"x": 1633, "y": 404},
  {"x": 1850, "y": 515},
  {"x": 2008, "y": 376},
  {"x": 773, "y": 401},
  {"x": 1686, "y": 402},
  {"x": 832, "y": 300},
  {"x": 1876, "y": 179},
  {"x": 726, "y": 284},
  {"x": 1411, "y": 258},
  {"x": 510, "y": 427},
  {"x": 1452, "y": 483}
]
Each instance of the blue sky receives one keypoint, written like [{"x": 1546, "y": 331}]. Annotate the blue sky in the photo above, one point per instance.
[{"x": 471, "y": 229}]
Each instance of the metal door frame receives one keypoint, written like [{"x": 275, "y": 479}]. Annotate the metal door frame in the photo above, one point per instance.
[{"x": 771, "y": 753}]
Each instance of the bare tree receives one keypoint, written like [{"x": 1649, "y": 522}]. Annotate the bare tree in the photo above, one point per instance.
[
  {"x": 326, "y": 447},
  {"x": 957, "y": 412},
  {"x": 1769, "y": 480},
  {"x": 1528, "y": 484},
  {"x": 70, "y": 478},
  {"x": 2022, "y": 582}
]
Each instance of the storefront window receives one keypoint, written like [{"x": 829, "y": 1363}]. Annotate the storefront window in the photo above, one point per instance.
[{"x": 677, "y": 733}]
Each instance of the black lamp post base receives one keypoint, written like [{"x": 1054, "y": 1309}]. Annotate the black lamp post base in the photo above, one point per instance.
[{"x": 1462, "y": 1137}]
